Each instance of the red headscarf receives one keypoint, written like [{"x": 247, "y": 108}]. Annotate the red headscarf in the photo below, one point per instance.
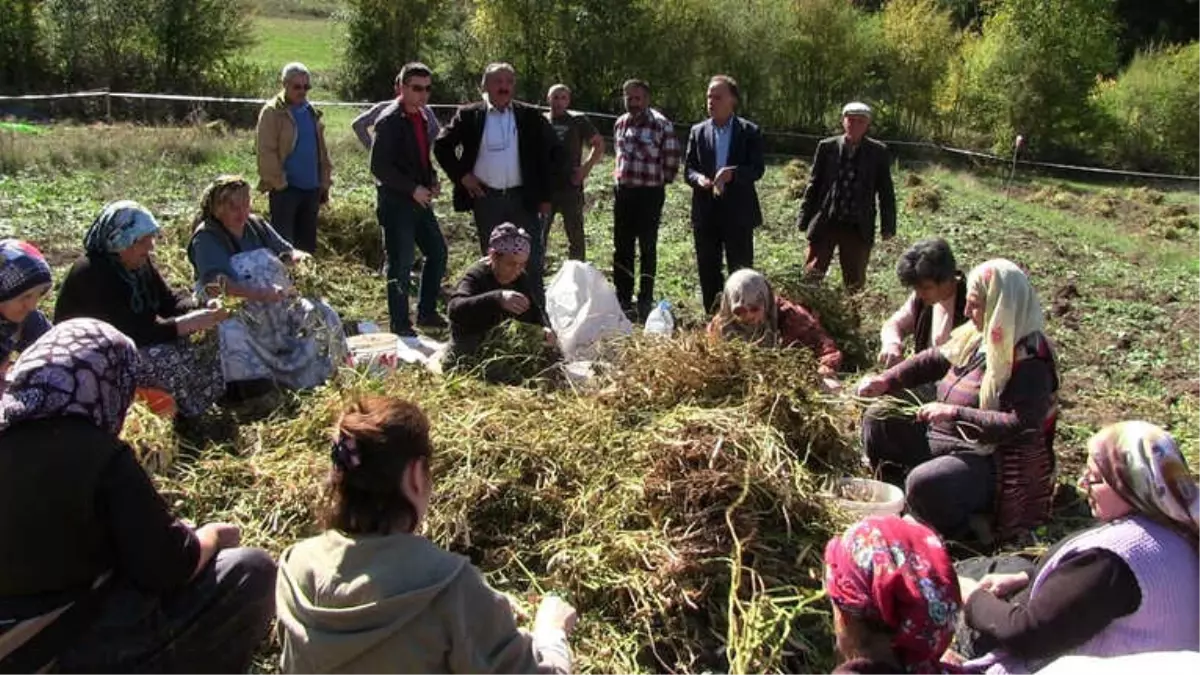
[{"x": 896, "y": 572}]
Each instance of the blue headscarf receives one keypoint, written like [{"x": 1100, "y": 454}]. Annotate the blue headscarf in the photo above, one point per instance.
[
  {"x": 118, "y": 226},
  {"x": 22, "y": 267}
]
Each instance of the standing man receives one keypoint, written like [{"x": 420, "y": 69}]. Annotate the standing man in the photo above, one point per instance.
[
  {"x": 498, "y": 154},
  {"x": 849, "y": 172},
  {"x": 573, "y": 130},
  {"x": 406, "y": 185},
  {"x": 293, "y": 161},
  {"x": 724, "y": 159},
  {"x": 647, "y": 159},
  {"x": 364, "y": 123}
]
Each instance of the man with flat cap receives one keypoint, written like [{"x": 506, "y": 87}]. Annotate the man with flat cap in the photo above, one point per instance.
[{"x": 849, "y": 173}]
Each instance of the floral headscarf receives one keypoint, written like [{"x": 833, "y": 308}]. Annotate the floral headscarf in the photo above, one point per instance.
[
  {"x": 118, "y": 226},
  {"x": 81, "y": 367},
  {"x": 1141, "y": 462},
  {"x": 22, "y": 267},
  {"x": 508, "y": 239},
  {"x": 1010, "y": 312},
  {"x": 747, "y": 288},
  {"x": 896, "y": 572}
]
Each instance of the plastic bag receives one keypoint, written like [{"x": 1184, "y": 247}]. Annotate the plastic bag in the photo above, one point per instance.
[{"x": 583, "y": 311}]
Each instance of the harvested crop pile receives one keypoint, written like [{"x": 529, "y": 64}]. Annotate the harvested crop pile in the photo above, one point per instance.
[
  {"x": 924, "y": 198},
  {"x": 512, "y": 353},
  {"x": 677, "y": 508}
]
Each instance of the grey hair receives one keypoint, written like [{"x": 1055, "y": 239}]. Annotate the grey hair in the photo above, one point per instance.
[
  {"x": 291, "y": 70},
  {"x": 557, "y": 88},
  {"x": 500, "y": 67}
]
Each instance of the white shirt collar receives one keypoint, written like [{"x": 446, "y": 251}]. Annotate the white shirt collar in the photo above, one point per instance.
[{"x": 492, "y": 108}]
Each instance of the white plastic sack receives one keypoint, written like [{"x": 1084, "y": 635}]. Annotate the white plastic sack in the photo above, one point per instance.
[
  {"x": 583, "y": 310},
  {"x": 1146, "y": 662}
]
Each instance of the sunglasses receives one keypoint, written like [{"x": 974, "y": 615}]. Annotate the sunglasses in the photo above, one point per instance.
[{"x": 421, "y": 88}]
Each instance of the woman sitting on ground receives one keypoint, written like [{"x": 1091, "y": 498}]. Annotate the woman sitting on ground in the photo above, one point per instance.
[
  {"x": 371, "y": 595},
  {"x": 895, "y": 597},
  {"x": 276, "y": 337},
  {"x": 494, "y": 290},
  {"x": 117, "y": 282},
  {"x": 936, "y": 305},
  {"x": 1125, "y": 586},
  {"x": 751, "y": 311},
  {"x": 24, "y": 279},
  {"x": 982, "y": 452},
  {"x": 97, "y": 575}
]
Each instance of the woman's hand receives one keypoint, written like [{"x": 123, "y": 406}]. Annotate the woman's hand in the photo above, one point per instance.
[
  {"x": 514, "y": 303},
  {"x": 1004, "y": 585},
  {"x": 296, "y": 256},
  {"x": 271, "y": 294},
  {"x": 200, "y": 320},
  {"x": 937, "y": 413},
  {"x": 872, "y": 386},
  {"x": 554, "y": 614},
  {"x": 890, "y": 355},
  {"x": 551, "y": 338}
]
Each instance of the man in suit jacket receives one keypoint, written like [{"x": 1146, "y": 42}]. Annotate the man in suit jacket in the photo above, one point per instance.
[
  {"x": 724, "y": 159},
  {"x": 406, "y": 185},
  {"x": 499, "y": 153},
  {"x": 848, "y": 172}
]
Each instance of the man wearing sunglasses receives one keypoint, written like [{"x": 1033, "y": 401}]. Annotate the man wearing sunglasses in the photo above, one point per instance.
[
  {"x": 498, "y": 155},
  {"x": 406, "y": 185},
  {"x": 293, "y": 160}
]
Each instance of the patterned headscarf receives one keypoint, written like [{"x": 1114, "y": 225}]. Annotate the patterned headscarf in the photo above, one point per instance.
[
  {"x": 22, "y": 267},
  {"x": 508, "y": 239},
  {"x": 1010, "y": 312},
  {"x": 81, "y": 367},
  {"x": 747, "y": 288},
  {"x": 118, "y": 226},
  {"x": 896, "y": 572},
  {"x": 1141, "y": 462}
]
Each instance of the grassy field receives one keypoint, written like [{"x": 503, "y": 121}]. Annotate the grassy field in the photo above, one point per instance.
[{"x": 584, "y": 493}]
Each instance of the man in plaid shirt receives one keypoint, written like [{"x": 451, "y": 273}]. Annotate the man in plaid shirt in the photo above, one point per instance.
[{"x": 647, "y": 159}]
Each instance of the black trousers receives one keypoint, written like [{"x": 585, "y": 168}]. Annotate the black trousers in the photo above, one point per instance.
[
  {"x": 294, "y": 216},
  {"x": 715, "y": 238},
  {"x": 637, "y": 212}
]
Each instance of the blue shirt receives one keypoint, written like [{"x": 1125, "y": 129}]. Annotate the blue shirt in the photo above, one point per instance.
[
  {"x": 722, "y": 137},
  {"x": 212, "y": 258},
  {"x": 301, "y": 167}
]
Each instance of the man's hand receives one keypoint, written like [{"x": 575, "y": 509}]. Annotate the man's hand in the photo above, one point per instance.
[
  {"x": 704, "y": 182},
  {"x": 544, "y": 208},
  {"x": 723, "y": 178},
  {"x": 324, "y": 195},
  {"x": 225, "y": 535},
  {"x": 473, "y": 185},
  {"x": 580, "y": 174},
  {"x": 437, "y": 189},
  {"x": 937, "y": 413},
  {"x": 422, "y": 195},
  {"x": 514, "y": 303}
]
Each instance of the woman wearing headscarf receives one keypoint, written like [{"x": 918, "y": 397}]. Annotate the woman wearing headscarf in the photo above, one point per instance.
[
  {"x": 979, "y": 459},
  {"x": 751, "y": 311},
  {"x": 276, "y": 337},
  {"x": 24, "y": 279},
  {"x": 895, "y": 597},
  {"x": 116, "y": 281},
  {"x": 1126, "y": 586},
  {"x": 494, "y": 290},
  {"x": 96, "y": 574}
]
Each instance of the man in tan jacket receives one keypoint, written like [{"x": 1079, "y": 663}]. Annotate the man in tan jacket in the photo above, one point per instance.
[{"x": 293, "y": 160}]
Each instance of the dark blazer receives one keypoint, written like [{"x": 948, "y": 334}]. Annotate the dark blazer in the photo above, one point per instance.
[
  {"x": 745, "y": 154},
  {"x": 457, "y": 148},
  {"x": 874, "y": 179},
  {"x": 395, "y": 155}
]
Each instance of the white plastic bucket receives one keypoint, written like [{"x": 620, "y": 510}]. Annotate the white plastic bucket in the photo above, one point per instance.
[
  {"x": 867, "y": 497},
  {"x": 379, "y": 352}
]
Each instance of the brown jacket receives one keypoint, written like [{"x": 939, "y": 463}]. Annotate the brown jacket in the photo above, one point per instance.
[
  {"x": 277, "y": 138},
  {"x": 397, "y": 604}
]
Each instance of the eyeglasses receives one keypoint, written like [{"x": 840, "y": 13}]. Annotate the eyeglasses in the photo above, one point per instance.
[{"x": 421, "y": 88}]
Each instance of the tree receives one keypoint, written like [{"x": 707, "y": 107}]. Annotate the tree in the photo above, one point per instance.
[
  {"x": 381, "y": 36},
  {"x": 917, "y": 36},
  {"x": 21, "y": 62}
]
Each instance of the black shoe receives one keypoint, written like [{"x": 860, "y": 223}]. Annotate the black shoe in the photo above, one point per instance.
[
  {"x": 404, "y": 331},
  {"x": 434, "y": 321}
]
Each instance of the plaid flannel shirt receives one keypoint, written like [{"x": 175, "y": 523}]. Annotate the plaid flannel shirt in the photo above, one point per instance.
[{"x": 647, "y": 150}]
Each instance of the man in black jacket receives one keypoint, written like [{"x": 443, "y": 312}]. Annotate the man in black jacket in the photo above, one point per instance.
[
  {"x": 724, "y": 159},
  {"x": 849, "y": 172},
  {"x": 498, "y": 153},
  {"x": 406, "y": 185}
]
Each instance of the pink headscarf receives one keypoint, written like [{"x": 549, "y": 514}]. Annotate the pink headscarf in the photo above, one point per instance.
[{"x": 508, "y": 239}]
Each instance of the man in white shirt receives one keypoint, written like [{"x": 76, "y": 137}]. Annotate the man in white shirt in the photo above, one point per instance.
[{"x": 498, "y": 155}]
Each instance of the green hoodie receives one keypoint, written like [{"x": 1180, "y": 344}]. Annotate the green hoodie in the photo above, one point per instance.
[{"x": 396, "y": 604}]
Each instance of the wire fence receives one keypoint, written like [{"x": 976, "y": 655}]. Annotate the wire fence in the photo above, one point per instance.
[{"x": 786, "y": 143}]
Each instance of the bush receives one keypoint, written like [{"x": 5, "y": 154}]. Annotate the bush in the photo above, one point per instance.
[
  {"x": 381, "y": 36},
  {"x": 1153, "y": 111}
]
